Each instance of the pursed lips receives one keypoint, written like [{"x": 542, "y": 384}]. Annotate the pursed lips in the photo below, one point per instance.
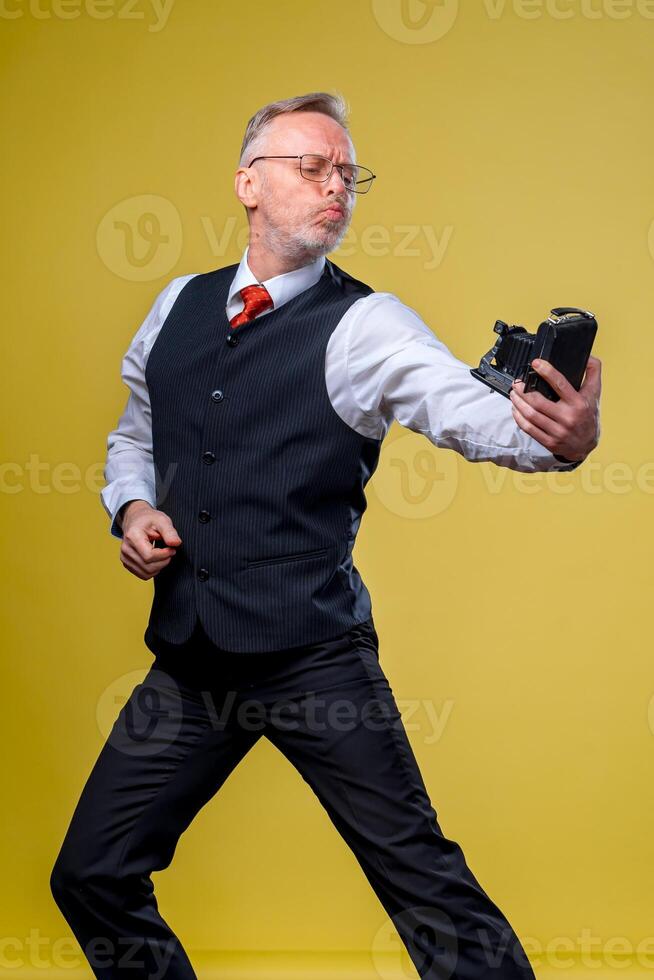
[{"x": 334, "y": 210}]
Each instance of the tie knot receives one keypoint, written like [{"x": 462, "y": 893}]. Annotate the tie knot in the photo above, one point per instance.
[{"x": 256, "y": 300}]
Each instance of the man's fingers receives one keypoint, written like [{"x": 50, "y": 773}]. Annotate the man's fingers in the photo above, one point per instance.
[
  {"x": 533, "y": 430},
  {"x": 135, "y": 569},
  {"x": 166, "y": 531},
  {"x": 138, "y": 552},
  {"x": 170, "y": 538},
  {"x": 569, "y": 426},
  {"x": 536, "y": 400},
  {"x": 531, "y": 410},
  {"x": 555, "y": 379},
  {"x": 154, "y": 557},
  {"x": 144, "y": 546},
  {"x": 593, "y": 380},
  {"x": 133, "y": 561}
]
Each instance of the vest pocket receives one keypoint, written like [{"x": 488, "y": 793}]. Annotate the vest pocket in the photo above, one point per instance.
[{"x": 299, "y": 556}]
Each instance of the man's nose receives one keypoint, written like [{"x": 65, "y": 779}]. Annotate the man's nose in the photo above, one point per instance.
[{"x": 335, "y": 182}]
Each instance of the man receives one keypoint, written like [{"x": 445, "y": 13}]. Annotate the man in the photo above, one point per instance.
[{"x": 259, "y": 398}]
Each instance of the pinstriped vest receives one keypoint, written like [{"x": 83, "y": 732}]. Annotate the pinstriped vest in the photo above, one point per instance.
[{"x": 263, "y": 481}]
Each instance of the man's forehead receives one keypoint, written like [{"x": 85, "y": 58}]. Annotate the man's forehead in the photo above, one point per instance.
[{"x": 308, "y": 132}]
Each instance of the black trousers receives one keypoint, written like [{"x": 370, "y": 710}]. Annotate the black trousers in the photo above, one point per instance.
[{"x": 329, "y": 708}]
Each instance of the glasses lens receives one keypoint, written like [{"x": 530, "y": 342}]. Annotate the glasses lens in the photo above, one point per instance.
[
  {"x": 364, "y": 181},
  {"x": 349, "y": 174},
  {"x": 315, "y": 167}
]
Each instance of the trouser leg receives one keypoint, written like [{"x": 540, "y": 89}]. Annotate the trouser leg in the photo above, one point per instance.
[
  {"x": 346, "y": 738},
  {"x": 165, "y": 757}
]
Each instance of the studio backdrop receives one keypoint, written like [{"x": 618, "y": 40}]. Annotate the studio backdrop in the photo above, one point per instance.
[{"x": 514, "y": 150}]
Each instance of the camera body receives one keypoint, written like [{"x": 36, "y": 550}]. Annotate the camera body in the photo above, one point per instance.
[{"x": 565, "y": 339}]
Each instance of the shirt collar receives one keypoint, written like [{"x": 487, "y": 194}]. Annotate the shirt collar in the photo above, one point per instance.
[{"x": 282, "y": 288}]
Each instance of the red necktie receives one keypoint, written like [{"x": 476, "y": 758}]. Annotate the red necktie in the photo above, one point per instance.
[{"x": 256, "y": 299}]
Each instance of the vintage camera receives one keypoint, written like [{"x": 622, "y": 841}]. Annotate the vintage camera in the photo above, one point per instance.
[{"x": 565, "y": 339}]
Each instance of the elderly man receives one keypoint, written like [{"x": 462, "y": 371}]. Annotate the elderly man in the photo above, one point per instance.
[{"x": 260, "y": 395}]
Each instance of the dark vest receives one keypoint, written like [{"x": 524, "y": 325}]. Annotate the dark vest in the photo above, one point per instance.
[{"x": 263, "y": 481}]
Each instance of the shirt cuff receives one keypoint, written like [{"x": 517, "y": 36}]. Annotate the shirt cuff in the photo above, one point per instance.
[
  {"x": 112, "y": 504},
  {"x": 572, "y": 464}
]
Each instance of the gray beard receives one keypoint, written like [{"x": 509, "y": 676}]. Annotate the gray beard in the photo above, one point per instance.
[{"x": 297, "y": 246}]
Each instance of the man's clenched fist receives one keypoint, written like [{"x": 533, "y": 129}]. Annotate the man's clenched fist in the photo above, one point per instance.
[{"x": 142, "y": 525}]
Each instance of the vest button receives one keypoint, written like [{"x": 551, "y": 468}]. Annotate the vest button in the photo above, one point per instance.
[
  {"x": 204, "y": 516},
  {"x": 231, "y": 339},
  {"x": 203, "y": 574},
  {"x": 208, "y": 457},
  {"x": 217, "y": 395}
]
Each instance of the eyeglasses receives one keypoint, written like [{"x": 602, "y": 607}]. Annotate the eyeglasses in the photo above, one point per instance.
[{"x": 314, "y": 167}]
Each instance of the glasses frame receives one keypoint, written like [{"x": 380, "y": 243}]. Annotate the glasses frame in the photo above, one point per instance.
[{"x": 321, "y": 180}]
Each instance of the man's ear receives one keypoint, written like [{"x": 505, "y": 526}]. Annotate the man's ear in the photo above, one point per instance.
[{"x": 245, "y": 187}]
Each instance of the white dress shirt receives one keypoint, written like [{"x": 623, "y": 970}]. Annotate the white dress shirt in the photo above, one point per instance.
[{"x": 382, "y": 363}]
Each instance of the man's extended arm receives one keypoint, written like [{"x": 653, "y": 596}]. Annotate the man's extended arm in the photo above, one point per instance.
[{"x": 397, "y": 369}]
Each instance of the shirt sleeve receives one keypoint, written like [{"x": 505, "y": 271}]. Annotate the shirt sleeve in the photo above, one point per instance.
[
  {"x": 397, "y": 369},
  {"x": 129, "y": 468}
]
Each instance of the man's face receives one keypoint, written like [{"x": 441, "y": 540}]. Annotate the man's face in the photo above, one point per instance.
[{"x": 292, "y": 214}]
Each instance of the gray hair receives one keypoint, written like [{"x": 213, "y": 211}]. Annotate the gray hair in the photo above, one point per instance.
[{"x": 332, "y": 105}]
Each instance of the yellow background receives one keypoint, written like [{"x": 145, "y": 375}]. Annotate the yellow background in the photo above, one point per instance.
[{"x": 518, "y": 607}]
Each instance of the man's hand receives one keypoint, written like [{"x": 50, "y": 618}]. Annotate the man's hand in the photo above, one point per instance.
[
  {"x": 142, "y": 525},
  {"x": 569, "y": 427}
]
